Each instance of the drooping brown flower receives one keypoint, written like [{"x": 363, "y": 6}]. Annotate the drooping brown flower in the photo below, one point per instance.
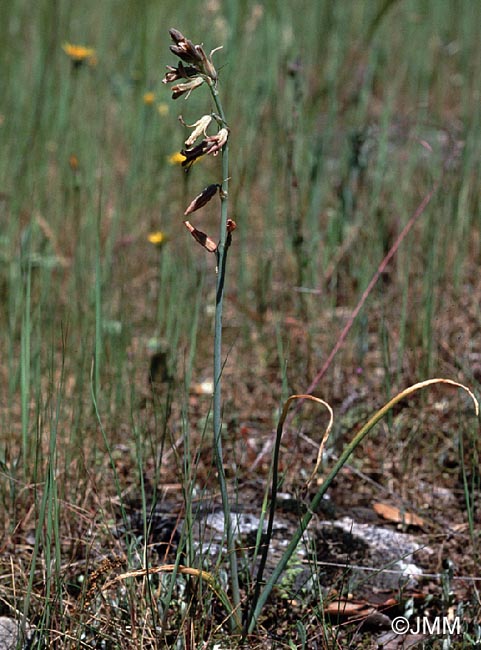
[
  {"x": 186, "y": 87},
  {"x": 202, "y": 198},
  {"x": 193, "y": 154},
  {"x": 180, "y": 72},
  {"x": 200, "y": 237}
]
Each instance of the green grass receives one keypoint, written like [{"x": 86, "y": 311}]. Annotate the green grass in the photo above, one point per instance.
[{"x": 343, "y": 116}]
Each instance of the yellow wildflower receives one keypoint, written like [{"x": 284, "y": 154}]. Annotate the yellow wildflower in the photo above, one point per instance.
[
  {"x": 79, "y": 53},
  {"x": 176, "y": 158},
  {"x": 163, "y": 109},
  {"x": 158, "y": 238},
  {"x": 149, "y": 98}
]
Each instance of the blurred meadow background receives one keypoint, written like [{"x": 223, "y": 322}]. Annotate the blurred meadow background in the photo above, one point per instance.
[{"x": 343, "y": 117}]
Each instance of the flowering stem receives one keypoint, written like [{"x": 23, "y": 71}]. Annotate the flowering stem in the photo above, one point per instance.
[
  {"x": 222, "y": 250},
  {"x": 196, "y": 68}
]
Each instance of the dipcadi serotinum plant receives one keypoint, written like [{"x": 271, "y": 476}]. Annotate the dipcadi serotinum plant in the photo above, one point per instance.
[{"x": 195, "y": 69}]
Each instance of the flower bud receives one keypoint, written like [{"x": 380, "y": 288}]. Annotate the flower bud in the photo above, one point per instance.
[
  {"x": 184, "y": 48},
  {"x": 175, "y": 35}
]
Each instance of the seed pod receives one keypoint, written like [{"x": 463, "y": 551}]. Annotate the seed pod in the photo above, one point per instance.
[{"x": 202, "y": 198}]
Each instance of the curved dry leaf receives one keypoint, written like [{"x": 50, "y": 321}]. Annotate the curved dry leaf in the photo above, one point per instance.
[{"x": 348, "y": 608}]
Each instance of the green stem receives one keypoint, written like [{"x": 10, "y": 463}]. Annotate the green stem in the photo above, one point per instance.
[
  {"x": 25, "y": 355},
  {"x": 222, "y": 250}
]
